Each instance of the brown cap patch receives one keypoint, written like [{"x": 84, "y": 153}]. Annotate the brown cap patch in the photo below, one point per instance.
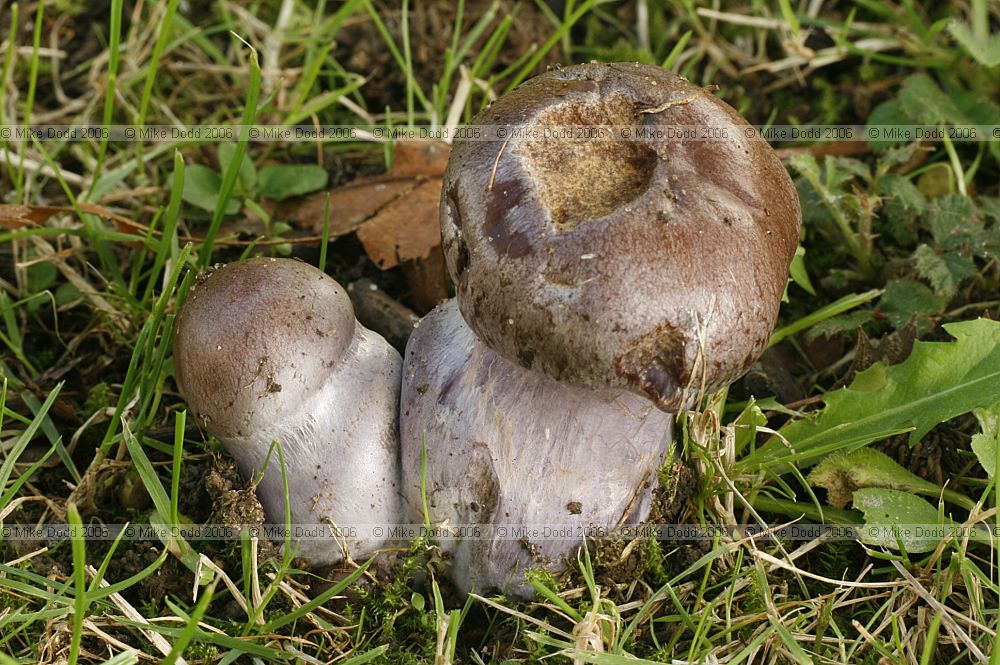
[{"x": 654, "y": 264}]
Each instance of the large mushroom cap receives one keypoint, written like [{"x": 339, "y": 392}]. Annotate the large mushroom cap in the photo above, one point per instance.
[
  {"x": 654, "y": 264},
  {"x": 254, "y": 337}
]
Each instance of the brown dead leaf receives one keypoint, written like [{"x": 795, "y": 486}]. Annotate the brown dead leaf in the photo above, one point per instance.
[
  {"x": 13, "y": 217},
  {"x": 395, "y": 214},
  {"x": 420, "y": 158},
  {"x": 406, "y": 229}
]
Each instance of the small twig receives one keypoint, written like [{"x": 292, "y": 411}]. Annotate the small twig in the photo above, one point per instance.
[
  {"x": 157, "y": 640},
  {"x": 678, "y": 102},
  {"x": 496, "y": 163}
]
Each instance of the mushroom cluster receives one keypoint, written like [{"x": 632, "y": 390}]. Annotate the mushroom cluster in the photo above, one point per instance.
[{"x": 602, "y": 286}]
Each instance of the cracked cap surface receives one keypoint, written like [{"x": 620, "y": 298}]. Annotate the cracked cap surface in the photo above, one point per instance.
[{"x": 652, "y": 264}]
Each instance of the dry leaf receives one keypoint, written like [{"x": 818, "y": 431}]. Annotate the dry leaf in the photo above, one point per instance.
[
  {"x": 395, "y": 215},
  {"x": 406, "y": 229},
  {"x": 13, "y": 217}
]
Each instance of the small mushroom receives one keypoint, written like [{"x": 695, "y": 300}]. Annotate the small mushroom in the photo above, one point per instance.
[
  {"x": 269, "y": 349},
  {"x": 607, "y": 283},
  {"x": 652, "y": 258},
  {"x": 519, "y": 464}
]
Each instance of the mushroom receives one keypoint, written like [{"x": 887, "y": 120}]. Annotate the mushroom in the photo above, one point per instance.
[
  {"x": 607, "y": 284},
  {"x": 654, "y": 264},
  {"x": 269, "y": 349},
  {"x": 511, "y": 448}
]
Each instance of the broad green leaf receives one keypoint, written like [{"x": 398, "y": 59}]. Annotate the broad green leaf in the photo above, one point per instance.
[
  {"x": 986, "y": 444},
  {"x": 958, "y": 224},
  {"x": 67, "y": 293},
  {"x": 41, "y": 276},
  {"x": 985, "y": 50},
  {"x": 248, "y": 174},
  {"x": 839, "y": 173},
  {"x": 894, "y": 518},
  {"x": 979, "y": 107},
  {"x": 897, "y": 156},
  {"x": 841, "y": 474},
  {"x": 201, "y": 189},
  {"x": 940, "y": 380},
  {"x": 887, "y": 113},
  {"x": 851, "y": 166},
  {"x": 806, "y": 166},
  {"x": 281, "y": 181}
]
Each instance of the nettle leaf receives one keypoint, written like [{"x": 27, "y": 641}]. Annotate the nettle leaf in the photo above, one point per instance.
[
  {"x": 902, "y": 203},
  {"x": 905, "y": 298},
  {"x": 843, "y": 473},
  {"x": 986, "y": 444},
  {"x": 840, "y": 172},
  {"x": 850, "y": 167},
  {"x": 806, "y": 166},
  {"x": 897, "y": 156},
  {"x": 201, "y": 189},
  {"x": 925, "y": 102},
  {"x": 282, "y": 181},
  {"x": 944, "y": 272},
  {"x": 990, "y": 205},
  {"x": 894, "y": 518},
  {"x": 954, "y": 221},
  {"x": 938, "y": 381}
]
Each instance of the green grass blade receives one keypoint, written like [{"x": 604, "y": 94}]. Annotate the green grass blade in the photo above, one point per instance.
[
  {"x": 169, "y": 236},
  {"x": 7, "y": 468},
  {"x": 79, "y": 580},
  {"x": 114, "y": 49},
  {"x": 564, "y": 29},
  {"x": 835, "y": 308},
  {"x": 180, "y": 421},
  {"x": 154, "y": 59},
  {"x": 192, "y": 623},
  {"x": 232, "y": 172},
  {"x": 301, "y": 611}
]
